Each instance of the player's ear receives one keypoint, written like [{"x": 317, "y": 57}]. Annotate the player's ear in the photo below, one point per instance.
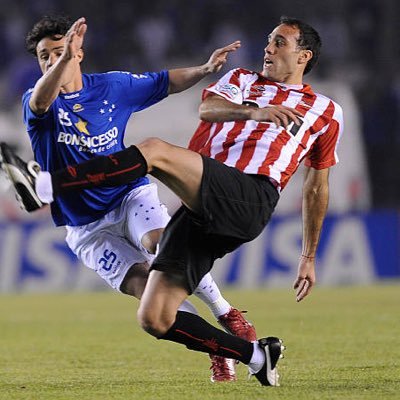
[{"x": 305, "y": 56}]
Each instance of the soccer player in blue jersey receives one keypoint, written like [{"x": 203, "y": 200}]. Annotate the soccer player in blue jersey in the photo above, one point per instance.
[{"x": 72, "y": 117}]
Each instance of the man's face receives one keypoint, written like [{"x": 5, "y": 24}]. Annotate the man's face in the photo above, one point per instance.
[
  {"x": 49, "y": 51},
  {"x": 281, "y": 59}
]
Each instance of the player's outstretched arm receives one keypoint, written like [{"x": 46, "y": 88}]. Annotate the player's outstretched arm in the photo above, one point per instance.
[
  {"x": 315, "y": 204},
  {"x": 60, "y": 70},
  {"x": 183, "y": 78},
  {"x": 215, "y": 108}
]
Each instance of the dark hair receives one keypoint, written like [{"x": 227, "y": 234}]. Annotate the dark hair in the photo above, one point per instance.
[
  {"x": 309, "y": 39},
  {"x": 48, "y": 26}
]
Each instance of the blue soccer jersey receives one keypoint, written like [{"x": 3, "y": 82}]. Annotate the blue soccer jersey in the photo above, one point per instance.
[{"x": 88, "y": 123}]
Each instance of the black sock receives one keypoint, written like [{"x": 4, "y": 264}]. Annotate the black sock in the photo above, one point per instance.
[
  {"x": 197, "y": 334},
  {"x": 116, "y": 169}
]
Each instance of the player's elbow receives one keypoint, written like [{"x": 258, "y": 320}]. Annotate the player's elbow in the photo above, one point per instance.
[
  {"x": 206, "y": 112},
  {"x": 318, "y": 192},
  {"x": 317, "y": 187},
  {"x": 316, "y": 183},
  {"x": 38, "y": 107}
]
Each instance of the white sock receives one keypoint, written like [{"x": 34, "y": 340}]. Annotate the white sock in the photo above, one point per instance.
[
  {"x": 257, "y": 359},
  {"x": 209, "y": 292},
  {"x": 219, "y": 307},
  {"x": 44, "y": 187},
  {"x": 188, "y": 307}
]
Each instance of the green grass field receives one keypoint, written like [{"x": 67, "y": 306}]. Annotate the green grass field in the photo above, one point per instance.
[{"x": 342, "y": 343}]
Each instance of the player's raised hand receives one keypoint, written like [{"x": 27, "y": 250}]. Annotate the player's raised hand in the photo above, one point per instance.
[
  {"x": 218, "y": 57},
  {"x": 74, "y": 38},
  {"x": 305, "y": 279}
]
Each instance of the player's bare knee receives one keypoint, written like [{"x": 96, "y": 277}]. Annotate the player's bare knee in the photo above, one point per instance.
[
  {"x": 151, "y": 239},
  {"x": 151, "y": 149},
  {"x": 151, "y": 247},
  {"x": 155, "y": 151},
  {"x": 149, "y": 326},
  {"x": 152, "y": 324}
]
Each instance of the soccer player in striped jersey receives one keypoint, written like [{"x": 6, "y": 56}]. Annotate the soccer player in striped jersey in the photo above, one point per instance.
[
  {"x": 72, "y": 117},
  {"x": 256, "y": 129}
]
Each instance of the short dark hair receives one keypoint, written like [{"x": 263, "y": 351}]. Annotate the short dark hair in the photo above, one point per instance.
[
  {"x": 48, "y": 26},
  {"x": 309, "y": 39}
]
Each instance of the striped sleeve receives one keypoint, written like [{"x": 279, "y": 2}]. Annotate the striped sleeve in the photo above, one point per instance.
[
  {"x": 228, "y": 87},
  {"x": 323, "y": 153}
]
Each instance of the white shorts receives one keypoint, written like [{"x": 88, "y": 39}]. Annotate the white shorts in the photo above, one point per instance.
[{"x": 112, "y": 244}]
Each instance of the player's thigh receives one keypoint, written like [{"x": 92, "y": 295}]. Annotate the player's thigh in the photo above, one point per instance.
[
  {"x": 146, "y": 217},
  {"x": 109, "y": 254},
  {"x": 178, "y": 168}
]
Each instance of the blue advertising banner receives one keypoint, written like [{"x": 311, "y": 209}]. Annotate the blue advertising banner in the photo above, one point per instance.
[{"x": 354, "y": 249}]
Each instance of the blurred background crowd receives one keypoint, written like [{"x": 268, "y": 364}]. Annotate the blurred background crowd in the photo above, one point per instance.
[{"x": 359, "y": 49}]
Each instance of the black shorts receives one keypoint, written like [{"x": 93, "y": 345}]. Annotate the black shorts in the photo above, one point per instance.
[{"x": 235, "y": 209}]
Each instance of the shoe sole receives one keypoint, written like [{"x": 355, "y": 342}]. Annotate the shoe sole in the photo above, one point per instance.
[
  {"x": 22, "y": 186},
  {"x": 273, "y": 351},
  {"x": 273, "y": 348}
]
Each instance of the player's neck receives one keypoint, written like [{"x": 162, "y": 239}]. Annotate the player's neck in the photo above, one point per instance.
[
  {"x": 288, "y": 79},
  {"x": 74, "y": 86},
  {"x": 295, "y": 78}
]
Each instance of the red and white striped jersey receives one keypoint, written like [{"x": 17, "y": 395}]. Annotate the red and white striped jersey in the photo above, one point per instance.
[{"x": 261, "y": 147}]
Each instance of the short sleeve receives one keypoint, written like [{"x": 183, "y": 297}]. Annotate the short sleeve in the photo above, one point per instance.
[
  {"x": 141, "y": 91},
  {"x": 323, "y": 152},
  {"x": 228, "y": 87},
  {"x": 30, "y": 118}
]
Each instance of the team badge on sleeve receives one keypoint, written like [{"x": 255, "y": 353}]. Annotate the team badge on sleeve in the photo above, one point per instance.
[{"x": 232, "y": 92}]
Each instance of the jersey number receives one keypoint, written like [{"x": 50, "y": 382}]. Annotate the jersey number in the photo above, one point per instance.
[
  {"x": 293, "y": 128},
  {"x": 64, "y": 118},
  {"x": 108, "y": 260}
]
